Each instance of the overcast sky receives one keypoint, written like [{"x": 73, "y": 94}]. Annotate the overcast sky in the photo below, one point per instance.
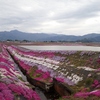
[{"x": 71, "y": 17}]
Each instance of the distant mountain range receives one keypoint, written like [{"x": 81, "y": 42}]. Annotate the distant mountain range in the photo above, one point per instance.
[{"x": 18, "y": 35}]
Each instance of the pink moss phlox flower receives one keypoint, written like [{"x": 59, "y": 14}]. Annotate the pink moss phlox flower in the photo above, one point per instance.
[
  {"x": 39, "y": 71},
  {"x": 30, "y": 94},
  {"x": 95, "y": 83},
  {"x": 60, "y": 79},
  {"x": 7, "y": 80},
  {"x": 35, "y": 95},
  {"x": 24, "y": 66},
  {"x": 26, "y": 92},
  {"x": 7, "y": 69},
  {"x": 82, "y": 94},
  {"x": 95, "y": 93},
  {"x": 98, "y": 86},
  {"x": 5, "y": 92},
  {"x": 3, "y": 86},
  {"x": 98, "y": 60},
  {"x": 15, "y": 88},
  {"x": 45, "y": 76},
  {"x": 47, "y": 73},
  {"x": 86, "y": 94},
  {"x": 1, "y": 96},
  {"x": 38, "y": 78},
  {"x": 8, "y": 95}
]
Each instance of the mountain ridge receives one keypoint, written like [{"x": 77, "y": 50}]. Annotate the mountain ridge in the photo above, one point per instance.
[{"x": 18, "y": 35}]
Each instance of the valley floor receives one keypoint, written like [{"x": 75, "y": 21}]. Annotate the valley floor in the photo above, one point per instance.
[{"x": 50, "y": 43}]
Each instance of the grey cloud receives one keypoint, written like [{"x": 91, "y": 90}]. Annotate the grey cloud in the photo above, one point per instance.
[
  {"x": 38, "y": 15},
  {"x": 86, "y": 11}
]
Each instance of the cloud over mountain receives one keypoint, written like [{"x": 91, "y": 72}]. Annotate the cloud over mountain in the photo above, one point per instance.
[{"x": 50, "y": 16}]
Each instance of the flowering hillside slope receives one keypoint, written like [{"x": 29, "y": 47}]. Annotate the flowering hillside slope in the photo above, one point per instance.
[
  {"x": 76, "y": 71},
  {"x": 12, "y": 84}
]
